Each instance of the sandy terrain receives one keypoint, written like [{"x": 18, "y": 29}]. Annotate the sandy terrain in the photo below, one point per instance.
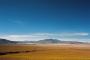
[{"x": 47, "y": 52}]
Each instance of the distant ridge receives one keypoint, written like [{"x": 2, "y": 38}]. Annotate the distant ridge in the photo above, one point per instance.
[
  {"x": 5, "y": 41},
  {"x": 58, "y": 41},
  {"x": 44, "y": 41},
  {"x": 51, "y": 41}
]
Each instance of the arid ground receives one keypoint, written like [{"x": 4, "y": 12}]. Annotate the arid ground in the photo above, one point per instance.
[{"x": 45, "y": 52}]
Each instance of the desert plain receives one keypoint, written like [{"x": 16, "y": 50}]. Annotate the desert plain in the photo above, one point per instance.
[{"x": 45, "y": 52}]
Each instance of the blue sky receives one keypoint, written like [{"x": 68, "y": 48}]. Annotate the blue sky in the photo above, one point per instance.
[{"x": 30, "y": 17}]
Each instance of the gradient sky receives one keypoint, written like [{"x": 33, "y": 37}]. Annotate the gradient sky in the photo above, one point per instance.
[{"x": 29, "y": 17}]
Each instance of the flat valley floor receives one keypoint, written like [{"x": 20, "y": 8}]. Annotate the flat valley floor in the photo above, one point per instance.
[{"x": 45, "y": 52}]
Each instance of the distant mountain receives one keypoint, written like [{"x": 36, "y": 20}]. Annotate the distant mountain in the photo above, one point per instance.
[
  {"x": 49, "y": 41},
  {"x": 58, "y": 41},
  {"x": 45, "y": 41},
  {"x": 72, "y": 42},
  {"x": 41, "y": 41},
  {"x": 5, "y": 41}
]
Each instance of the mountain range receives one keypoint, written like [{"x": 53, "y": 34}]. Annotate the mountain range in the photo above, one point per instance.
[
  {"x": 45, "y": 41},
  {"x": 50, "y": 41}
]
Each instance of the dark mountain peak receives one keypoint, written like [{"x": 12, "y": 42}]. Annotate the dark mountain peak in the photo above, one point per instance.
[
  {"x": 5, "y": 41},
  {"x": 49, "y": 41}
]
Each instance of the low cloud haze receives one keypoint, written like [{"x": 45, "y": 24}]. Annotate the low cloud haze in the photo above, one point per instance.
[{"x": 82, "y": 36}]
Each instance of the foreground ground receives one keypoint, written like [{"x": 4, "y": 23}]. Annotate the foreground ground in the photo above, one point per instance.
[{"x": 45, "y": 52}]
